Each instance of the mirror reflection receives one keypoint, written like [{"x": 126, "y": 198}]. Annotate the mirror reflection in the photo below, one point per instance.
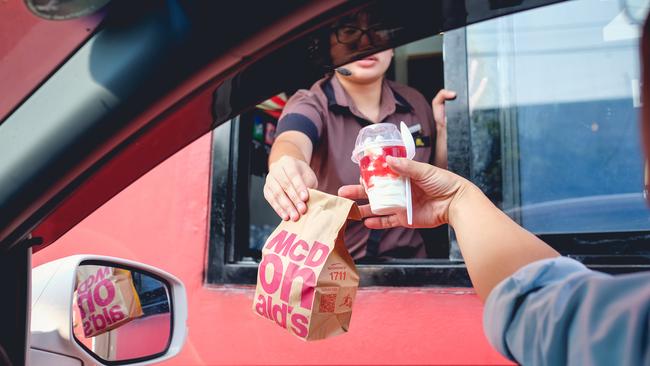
[{"x": 120, "y": 314}]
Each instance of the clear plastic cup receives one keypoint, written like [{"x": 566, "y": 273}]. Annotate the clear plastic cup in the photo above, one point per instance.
[{"x": 386, "y": 189}]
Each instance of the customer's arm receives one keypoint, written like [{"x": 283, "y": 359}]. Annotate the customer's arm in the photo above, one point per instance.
[
  {"x": 493, "y": 245},
  {"x": 542, "y": 309},
  {"x": 558, "y": 312}
]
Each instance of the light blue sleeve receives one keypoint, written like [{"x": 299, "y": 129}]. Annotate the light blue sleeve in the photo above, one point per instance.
[{"x": 558, "y": 312}]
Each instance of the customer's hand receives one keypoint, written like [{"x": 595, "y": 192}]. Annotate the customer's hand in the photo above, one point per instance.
[
  {"x": 286, "y": 187},
  {"x": 434, "y": 192}
]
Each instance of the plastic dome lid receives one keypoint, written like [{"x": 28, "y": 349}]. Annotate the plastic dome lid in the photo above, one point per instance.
[{"x": 375, "y": 136}]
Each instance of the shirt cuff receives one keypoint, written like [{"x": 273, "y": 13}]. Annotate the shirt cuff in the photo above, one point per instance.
[
  {"x": 505, "y": 299},
  {"x": 298, "y": 122}
]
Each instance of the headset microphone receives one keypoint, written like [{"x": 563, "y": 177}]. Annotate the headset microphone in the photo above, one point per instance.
[{"x": 343, "y": 71}]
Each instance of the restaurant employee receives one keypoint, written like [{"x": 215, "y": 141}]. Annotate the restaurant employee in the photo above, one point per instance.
[{"x": 318, "y": 127}]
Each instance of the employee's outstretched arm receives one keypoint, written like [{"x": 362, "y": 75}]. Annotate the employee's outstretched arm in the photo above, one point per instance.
[
  {"x": 493, "y": 245},
  {"x": 290, "y": 175}
]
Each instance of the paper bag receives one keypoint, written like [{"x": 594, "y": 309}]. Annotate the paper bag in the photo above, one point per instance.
[
  {"x": 306, "y": 280},
  {"x": 106, "y": 298}
]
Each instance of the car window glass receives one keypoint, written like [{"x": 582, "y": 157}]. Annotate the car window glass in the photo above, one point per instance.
[{"x": 554, "y": 105}]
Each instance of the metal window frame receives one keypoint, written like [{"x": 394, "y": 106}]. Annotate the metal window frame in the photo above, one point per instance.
[
  {"x": 612, "y": 252},
  {"x": 229, "y": 225}
]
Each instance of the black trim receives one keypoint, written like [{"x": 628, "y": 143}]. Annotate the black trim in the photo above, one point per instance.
[
  {"x": 414, "y": 273},
  {"x": 229, "y": 218},
  {"x": 219, "y": 244},
  {"x": 456, "y": 14},
  {"x": 298, "y": 122},
  {"x": 328, "y": 90},
  {"x": 401, "y": 103},
  {"x": 241, "y": 134},
  {"x": 15, "y": 268},
  {"x": 433, "y": 239},
  {"x": 592, "y": 245},
  {"x": 459, "y": 139},
  {"x": 372, "y": 245},
  {"x": 408, "y": 273},
  {"x": 362, "y": 121},
  {"x": 171, "y": 313},
  {"x": 411, "y": 274}
]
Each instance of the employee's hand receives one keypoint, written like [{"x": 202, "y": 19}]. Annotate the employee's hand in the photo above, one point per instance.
[
  {"x": 286, "y": 187},
  {"x": 438, "y": 106},
  {"x": 434, "y": 191}
]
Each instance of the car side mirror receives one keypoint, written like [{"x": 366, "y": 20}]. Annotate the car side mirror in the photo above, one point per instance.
[{"x": 105, "y": 311}]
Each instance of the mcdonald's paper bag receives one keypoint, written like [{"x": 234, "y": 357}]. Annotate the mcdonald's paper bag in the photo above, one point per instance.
[
  {"x": 306, "y": 280},
  {"x": 106, "y": 298}
]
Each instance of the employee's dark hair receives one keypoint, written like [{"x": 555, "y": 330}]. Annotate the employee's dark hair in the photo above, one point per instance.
[{"x": 319, "y": 51}]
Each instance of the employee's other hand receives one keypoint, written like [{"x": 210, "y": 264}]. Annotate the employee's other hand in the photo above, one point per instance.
[
  {"x": 438, "y": 106},
  {"x": 434, "y": 191},
  {"x": 286, "y": 187}
]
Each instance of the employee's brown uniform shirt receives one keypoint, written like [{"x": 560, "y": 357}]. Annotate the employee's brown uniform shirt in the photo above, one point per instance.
[{"x": 328, "y": 116}]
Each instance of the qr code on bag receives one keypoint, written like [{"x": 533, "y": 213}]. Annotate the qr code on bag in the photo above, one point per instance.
[{"x": 327, "y": 303}]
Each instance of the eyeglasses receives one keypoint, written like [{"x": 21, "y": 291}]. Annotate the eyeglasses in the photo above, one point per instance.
[{"x": 349, "y": 34}]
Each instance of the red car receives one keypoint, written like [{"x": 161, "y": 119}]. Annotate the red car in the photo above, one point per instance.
[{"x": 141, "y": 130}]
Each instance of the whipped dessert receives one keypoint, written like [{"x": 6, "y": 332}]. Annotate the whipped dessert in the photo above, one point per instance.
[
  {"x": 385, "y": 188},
  {"x": 387, "y": 195}
]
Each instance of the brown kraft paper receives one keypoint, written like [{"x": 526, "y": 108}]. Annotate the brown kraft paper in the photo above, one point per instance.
[
  {"x": 106, "y": 298},
  {"x": 307, "y": 280}
]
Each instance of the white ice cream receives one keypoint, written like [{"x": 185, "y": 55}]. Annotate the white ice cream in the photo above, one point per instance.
[{"x": 387, "y": 195}]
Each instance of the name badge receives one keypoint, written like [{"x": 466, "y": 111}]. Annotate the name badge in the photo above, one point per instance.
[
  {"x": 420, "y": 140},
  {"x": 415, "y": 128}
]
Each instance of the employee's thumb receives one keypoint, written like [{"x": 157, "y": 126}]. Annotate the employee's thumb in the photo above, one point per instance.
[{"x": 409, "y": 168}]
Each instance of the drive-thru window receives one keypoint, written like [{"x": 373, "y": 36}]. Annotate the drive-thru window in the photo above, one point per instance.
[{"x": 545, "y": 122}]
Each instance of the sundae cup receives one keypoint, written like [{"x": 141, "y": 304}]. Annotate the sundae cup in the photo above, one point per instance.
[{"x": 386, "y": 189}]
